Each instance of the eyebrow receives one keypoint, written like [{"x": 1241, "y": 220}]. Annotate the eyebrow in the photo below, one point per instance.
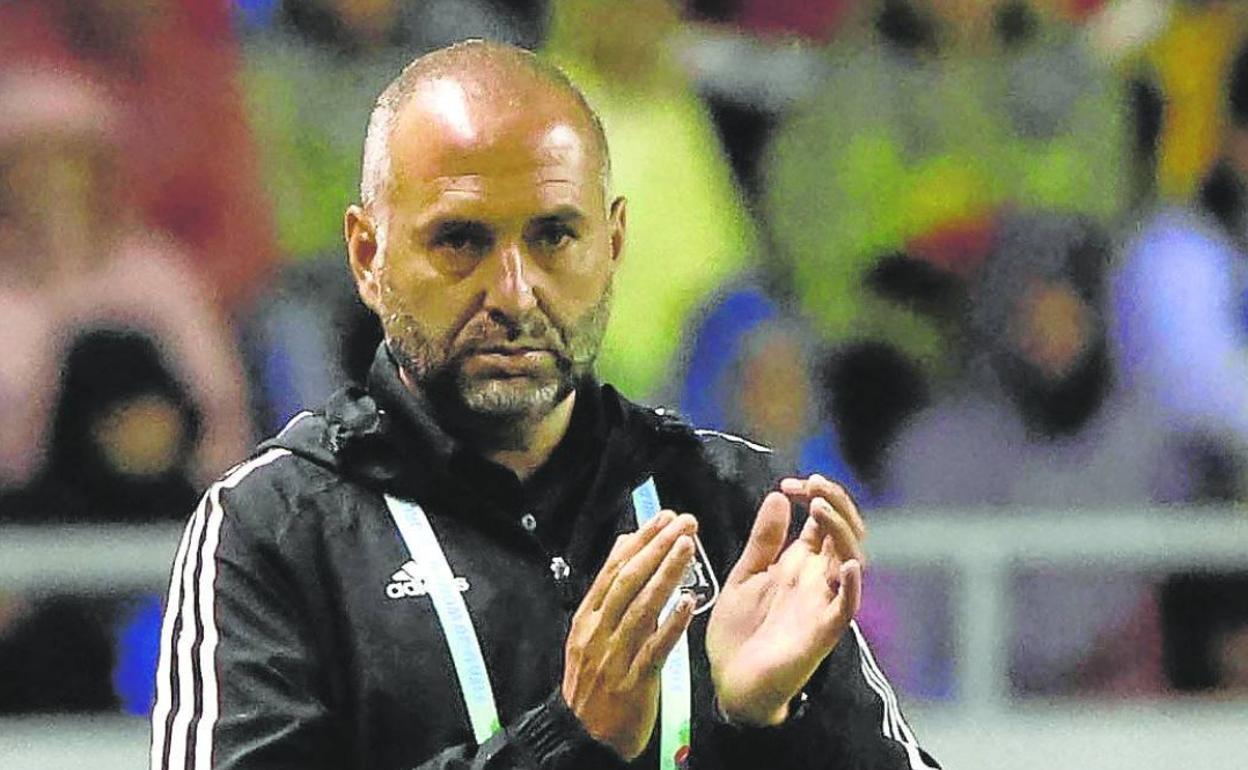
[
  {"x": 451, "y": 223},
  {"x": 564, "y": 213},
  {"x": 440, "y": 227}
]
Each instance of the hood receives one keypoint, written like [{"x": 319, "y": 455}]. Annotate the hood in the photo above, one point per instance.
[
  {"x": 1035, "y": 245},
  {"x": 386, "y": 437}
]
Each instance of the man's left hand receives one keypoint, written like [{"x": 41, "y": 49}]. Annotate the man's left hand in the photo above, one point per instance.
[{"x": 783, "y": 610}]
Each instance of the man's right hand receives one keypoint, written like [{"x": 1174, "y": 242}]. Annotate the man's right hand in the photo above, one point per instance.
[{"x": 616, "y": 647}]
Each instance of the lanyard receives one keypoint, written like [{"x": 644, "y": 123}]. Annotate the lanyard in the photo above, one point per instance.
[
  {"x": 474, "y": 681},
  {"x": 675, "y": 707},
  {"x": 461, "y": 637}
]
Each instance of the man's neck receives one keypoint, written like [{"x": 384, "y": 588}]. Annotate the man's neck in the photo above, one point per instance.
[
  {"x": 536, "y": 442},
  {"x": 521, "y": 447}
]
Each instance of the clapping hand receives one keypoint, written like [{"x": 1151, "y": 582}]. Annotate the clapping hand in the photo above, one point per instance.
[
  {"x": 783, "y": 609},
  {"x": 616, "y": 646}
]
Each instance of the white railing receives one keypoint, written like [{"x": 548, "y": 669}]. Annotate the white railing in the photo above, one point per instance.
[
  {"x": 981, "y": 728},
  {"x": 87, "y": 559}
]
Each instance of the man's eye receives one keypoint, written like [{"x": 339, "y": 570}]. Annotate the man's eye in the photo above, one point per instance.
[
  {"x": 465, "y": 240},
  {"x": 555, "y": 236}
]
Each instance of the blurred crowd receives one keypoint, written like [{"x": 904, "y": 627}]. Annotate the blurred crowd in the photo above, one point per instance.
[{"x": 951, "y": 252}]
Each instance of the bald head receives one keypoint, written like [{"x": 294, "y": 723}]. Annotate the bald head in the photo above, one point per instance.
[
  {"x": 485, "y": 243},
  {"x": 458, "y": 89}
]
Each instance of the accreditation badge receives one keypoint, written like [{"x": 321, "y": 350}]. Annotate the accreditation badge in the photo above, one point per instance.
[{"x": 699, "y": 579}]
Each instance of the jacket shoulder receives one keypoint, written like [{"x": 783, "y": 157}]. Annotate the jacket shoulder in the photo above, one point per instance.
[
  {"x": 734, "y": 457},
  {"x": 269, "y": 493},
  {"x": 731, "y": 458}
]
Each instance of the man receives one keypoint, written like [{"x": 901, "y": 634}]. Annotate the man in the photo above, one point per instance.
[{"x": 446, "y": 570}]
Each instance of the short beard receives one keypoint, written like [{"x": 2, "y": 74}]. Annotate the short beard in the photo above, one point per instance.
[{"x": 499, "y": 407}]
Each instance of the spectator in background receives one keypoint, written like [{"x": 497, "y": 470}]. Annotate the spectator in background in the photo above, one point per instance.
[
  {"x": 752, "y": 59},
  {"x": 123, "y": 438},
  {"x": 1182, "y": 75},
  {"x": 1206, "y": 619},
  {"x": 1042, "y": 420},
  {"x": 120, "y": 452},
  {"x": 917, "y": 138},
  {"x": 666, "y": 160},
  {"x": 752, "y": 370},
  {"x": 1180, "y": 292},
  {"x": 304, "y": 339},
  {"x": 814, "y": 20},
  {"x": 316, "y": 71},
  {"x": 55, "y": 655},
  {"x": 186, "y": 163},
  {"x": 119, "y": 388},
  {"x": 1180, "y": 295},
  {"x": 74, "y": 261}
]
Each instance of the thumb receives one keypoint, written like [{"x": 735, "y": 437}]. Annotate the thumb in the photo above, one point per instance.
[{"x": 771, "y": 528}]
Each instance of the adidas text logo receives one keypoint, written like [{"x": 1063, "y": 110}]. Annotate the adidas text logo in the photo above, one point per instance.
[{"x": 410, "y": 580}]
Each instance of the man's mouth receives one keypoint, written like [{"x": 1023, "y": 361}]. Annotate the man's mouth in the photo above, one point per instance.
[
  {"x": 510, "y": 361},
  {"x": 509, "y": 350}
]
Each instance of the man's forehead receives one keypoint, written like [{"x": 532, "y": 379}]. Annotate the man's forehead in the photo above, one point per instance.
[
  {"x": 452, "y": 129},
  {"x": 530, "y": 194}
]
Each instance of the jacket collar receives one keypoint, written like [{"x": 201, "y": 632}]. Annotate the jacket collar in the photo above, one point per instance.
[{"x": 388, "y": 435}]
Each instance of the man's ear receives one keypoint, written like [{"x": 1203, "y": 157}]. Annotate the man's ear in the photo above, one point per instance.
[
  {"x": 616, "y": 221},
  {"x": 363, "y": 254}
]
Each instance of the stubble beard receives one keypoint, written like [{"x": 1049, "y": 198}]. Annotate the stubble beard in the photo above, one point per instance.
[{"x": 500, "y": 406}]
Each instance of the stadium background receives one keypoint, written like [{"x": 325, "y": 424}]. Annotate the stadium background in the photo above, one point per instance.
[{"x": 984, "y": 261}]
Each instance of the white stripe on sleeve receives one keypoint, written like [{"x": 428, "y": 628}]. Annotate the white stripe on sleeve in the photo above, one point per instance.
[
  {"x": 190, "y": 600},
  {"x": 160, "y": 710},
  {"x": 886, "y": 714},
  {"x": 906, "y": 736},
  {"x": 734, "y": 439},
  {"x": 183, "y": 647},
  {"x": 208, "y": 649},
  {"x": 292, "y": 423}
]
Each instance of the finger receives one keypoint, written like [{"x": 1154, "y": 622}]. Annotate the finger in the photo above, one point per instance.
[
  {"x": 767, "y": 538},
  {"x": 633, "y": 575},
  {"x": 626, "y": 546},
  {"x": 834, "y": 524},
  {"x": 812, "y": 533},
  {"x": 806, "y": 490},
  {"x": 819, "y": 575},
  {"x": 791, "y": 566},
  {"x": 808, "y": 554},
  {"x": 814, "y": 572},
  {"x": 655, "y": 650},
  {"x": 831, "y": 571},
  {"x": 847, "y": 602},
  {"x": 841, "y": 500},
  {"x": 642, "y": 616}
]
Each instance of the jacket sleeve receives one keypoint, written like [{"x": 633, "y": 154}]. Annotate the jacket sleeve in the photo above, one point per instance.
[
  {"x": 242, "y": 682},
  {"x": 547, "y": 737},
  {"x": 847, "y": 717}
]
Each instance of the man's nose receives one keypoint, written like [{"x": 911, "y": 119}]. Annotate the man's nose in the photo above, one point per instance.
[{"x": 510, "y": 290}]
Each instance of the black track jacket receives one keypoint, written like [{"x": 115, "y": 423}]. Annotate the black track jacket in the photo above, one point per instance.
[{"x": 292, "y": 638}]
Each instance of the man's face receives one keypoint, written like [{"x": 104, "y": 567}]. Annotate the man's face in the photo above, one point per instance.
[{"x": 495, "y": 251}]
